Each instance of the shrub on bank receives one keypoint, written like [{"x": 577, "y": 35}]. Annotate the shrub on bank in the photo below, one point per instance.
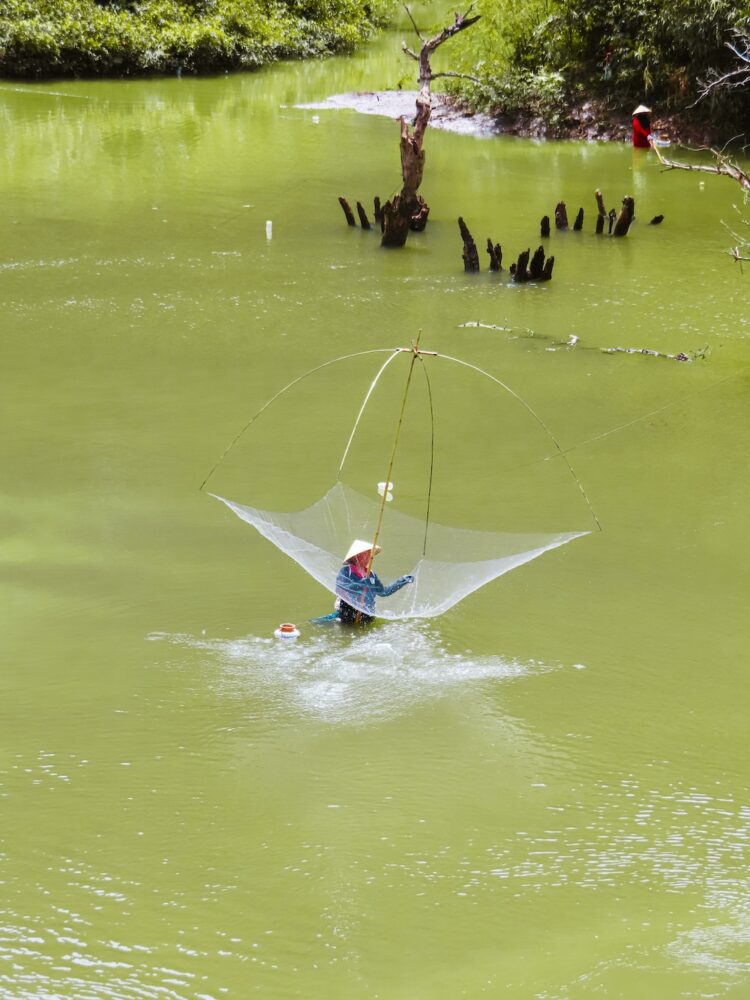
[
  {"x": 627, "y": 50},
  {"x": 54, "y": 38}
]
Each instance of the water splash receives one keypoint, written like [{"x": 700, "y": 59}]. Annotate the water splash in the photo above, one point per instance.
[{"x": 339, "y": 676}]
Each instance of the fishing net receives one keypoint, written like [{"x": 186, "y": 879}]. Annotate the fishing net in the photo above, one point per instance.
[
  {"x": 460, "y": 561},
  {"x": 479, "y": 480}
]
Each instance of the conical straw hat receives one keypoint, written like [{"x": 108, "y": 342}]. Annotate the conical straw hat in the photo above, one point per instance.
[
  {"x": 642, "y": 110},
  {"x": 358, "y": 547}
]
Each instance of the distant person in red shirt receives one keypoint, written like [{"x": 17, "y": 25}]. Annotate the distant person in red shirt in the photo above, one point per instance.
[{"x": 641, "y": 127}]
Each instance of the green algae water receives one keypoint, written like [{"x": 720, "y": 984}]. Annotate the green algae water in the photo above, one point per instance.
[{"x": 542, "y": 794}]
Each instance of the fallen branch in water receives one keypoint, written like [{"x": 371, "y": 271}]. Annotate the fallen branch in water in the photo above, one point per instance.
[
  {"x": 574, "y": 341},
  {"x": 692, "y": 356},
  {"x": 724, "y": 166}
]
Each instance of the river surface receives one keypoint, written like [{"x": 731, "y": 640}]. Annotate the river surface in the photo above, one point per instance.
[{"x": 543, "y": 793}]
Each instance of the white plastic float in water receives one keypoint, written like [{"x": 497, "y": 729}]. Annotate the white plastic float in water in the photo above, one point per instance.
[{"x": 287, "y": 631}]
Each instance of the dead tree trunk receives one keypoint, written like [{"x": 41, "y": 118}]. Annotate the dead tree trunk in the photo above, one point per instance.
[
  {"x": 578, "y": 224},
  {"x": 398, "y": 214},
  {"x": 544, "y": 227}
]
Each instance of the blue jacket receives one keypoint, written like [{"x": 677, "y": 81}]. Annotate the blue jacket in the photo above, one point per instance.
[{"x": 360, "y": 591}]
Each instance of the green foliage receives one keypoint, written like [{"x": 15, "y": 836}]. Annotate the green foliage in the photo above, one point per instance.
[
  {"x": 120, "y": 37},
  {"x": 655, "y": 49},
  {"x": 520, "y": 91}
]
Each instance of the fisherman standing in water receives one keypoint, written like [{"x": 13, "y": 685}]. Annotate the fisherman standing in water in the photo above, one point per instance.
[
  {"x": 642, "y": 127},
  {"x": 357, "y": 586}
]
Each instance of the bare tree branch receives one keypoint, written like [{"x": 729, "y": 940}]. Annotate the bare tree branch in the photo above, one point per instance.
[
  {"x": 409, "y": 52},
  {"x": 723, "y": 167},
  {"x": 460, "y": 76},
  {"x": 420, "y": 36},
  {"x": 735, "y": 78}
]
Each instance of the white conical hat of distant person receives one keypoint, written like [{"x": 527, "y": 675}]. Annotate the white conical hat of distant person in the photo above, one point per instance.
[
  {"x": 642, "y": 110},
  {"x": 358, "y": 547}
]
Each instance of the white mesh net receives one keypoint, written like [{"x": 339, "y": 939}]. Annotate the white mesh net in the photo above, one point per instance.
[
  {"x": 462, "y": 447},
  {"x": 458, "y": 561}
]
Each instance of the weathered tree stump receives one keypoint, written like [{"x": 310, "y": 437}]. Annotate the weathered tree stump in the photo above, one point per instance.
[
  {"x": 538, "y": 270},
  {"x": 627, "y": 212},
  {"x": 363, "y": 220},
  {"x": 496, "y": 255},
  {"x": 657, "y": 220},
  {"x": 544, "y": 227},
  {"x": 578, "y": 224},
  {"x": 377, "y": 212},
  {"x": 519, "y": 270},
  {"x": 347, "y": 211},
  {"x": 561, "y": 216},
  {"x": 396, "y": 216},
  {"x": 470, "y": 252},
  {"x": 536, "y": 267},
  {"x": 611, "y": 216}
]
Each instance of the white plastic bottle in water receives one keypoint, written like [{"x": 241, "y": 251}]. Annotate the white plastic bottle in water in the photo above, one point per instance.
[{"x": 269, "y": 229}]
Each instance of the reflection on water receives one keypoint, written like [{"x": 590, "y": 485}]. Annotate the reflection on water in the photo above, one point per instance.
[{"x": 338, "y": 676}]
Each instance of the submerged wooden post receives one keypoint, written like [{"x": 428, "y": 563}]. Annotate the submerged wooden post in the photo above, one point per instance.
[
  {"x": 347, "y": 211},
  {"x": 544, "y": 227},
  {"x": 363, "y": 220},
  {"x": 470, "y": 252},
  {"x": 578, "y": 224},
  {"x": 601, "y": 212}
]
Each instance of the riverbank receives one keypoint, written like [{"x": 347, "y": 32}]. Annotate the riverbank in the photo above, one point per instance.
[{"x": 591, "y": 120}]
